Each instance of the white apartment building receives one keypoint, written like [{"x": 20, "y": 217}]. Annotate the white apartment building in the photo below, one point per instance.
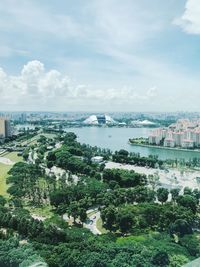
[
  {"x": 187, "y": 144},
  {"x": 177, "y": 136},
  {"x": 184, "y": 134},
  {"x": 169, "y": 142}
]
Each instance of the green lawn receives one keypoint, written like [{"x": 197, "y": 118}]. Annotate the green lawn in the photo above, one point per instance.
[
  {"x": 3, "y": 174},
  {"x": 49, "y": 135},
  {"x": 4, "y": 171},
  {"x": 34, "y": 139},
  {"x": 44, "y": 211},
  {"x": 133, "y": 238},
  {"x": 100, "y": 227},
  {"x": 91, "y": 213},
  {"x": 13, "y": 156}
]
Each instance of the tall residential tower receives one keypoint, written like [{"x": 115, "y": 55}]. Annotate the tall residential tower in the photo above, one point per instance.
[{"x": 5, "y": 128}]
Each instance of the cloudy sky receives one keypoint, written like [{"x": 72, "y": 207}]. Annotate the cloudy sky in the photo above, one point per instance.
[{"x": 92, "y": 55}]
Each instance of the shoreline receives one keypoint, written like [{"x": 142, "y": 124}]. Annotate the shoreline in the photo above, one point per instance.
[{"x": 166, "y": 148}]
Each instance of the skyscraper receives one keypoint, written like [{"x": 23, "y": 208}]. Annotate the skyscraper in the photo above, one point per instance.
[{"x": 5, "y": 128}]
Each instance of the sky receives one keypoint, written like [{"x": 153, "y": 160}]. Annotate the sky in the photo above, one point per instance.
[{"x": 92, "y": 55}]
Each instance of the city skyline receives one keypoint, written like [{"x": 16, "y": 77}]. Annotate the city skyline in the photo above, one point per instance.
[{"x": 99, "y": 55}]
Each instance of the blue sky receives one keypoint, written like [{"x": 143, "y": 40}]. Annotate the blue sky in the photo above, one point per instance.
[{"x": 108, "y": 55}]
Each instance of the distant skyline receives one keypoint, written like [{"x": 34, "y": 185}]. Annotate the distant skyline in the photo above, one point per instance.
[{"x": 92, "y": 55}]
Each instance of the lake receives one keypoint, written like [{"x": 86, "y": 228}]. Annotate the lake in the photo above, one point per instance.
[{"x": 117, "y": 138}]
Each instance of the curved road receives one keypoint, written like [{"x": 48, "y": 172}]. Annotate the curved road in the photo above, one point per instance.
[{"x": 92, "y": 222}]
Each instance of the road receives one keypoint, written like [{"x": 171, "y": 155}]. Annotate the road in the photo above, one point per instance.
[{"x": 92, "y": 222}]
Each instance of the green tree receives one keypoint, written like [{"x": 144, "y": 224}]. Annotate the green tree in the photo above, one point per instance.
[
  {"x": 180, "y": 227},
  {"x": 191, "y": 243},
  {"x": 108, "y": 216},
  {"x": 162, "y": 194},
  {"x": 174, "y": 193},
  {"x": 2, "y": 201},
  {"x": 178, "y": 260},
  {"x": 153, "y": 180},
  {"x": 188, "y": 201},
  {"x": 125, "y": 221},
  {"x": 160, "y": 258},
  {"x": 151, "y": 214},
  {"x": 82, "y": 214}
]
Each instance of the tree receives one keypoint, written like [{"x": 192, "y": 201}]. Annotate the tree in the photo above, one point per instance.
[
  {"x": 174, "y": 193},
  {"x": 187, "y": 191},
  {"x": 151, "y": 214},
  {"x": 95, "y": 259},
  {"x": 2, "y": 201},
  {"x": 82, "y": 214},
  {"x": 196, "y": 194},
  {"x": 162, "y": 194},
  {"x": 124, "y": 178},
  {"x": 73, "y": 210},
  {"x": 125, "y": 221},
  {"x": 13, "y": 254},
  {"x": 153, "y": 180},
  {"x": 25, "y": 154},
  {"x": 160, "y": 258},
  {"x": 123, "y": 153},
  {"x": 188, "y": 201},
  {"x": 69, "y": 138},
  {"x": 180, "y": 227},
  {"x": 122, "y": 259},
  {"x": 108, "y": 216},
  {"x": 178, "y": 260},
  {"x": 191, "y": 243}
]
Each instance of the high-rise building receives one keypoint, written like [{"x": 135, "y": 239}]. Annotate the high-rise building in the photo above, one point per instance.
[
  {"x": 23, "y": 118},
  {"x": 5, "y": 128}
]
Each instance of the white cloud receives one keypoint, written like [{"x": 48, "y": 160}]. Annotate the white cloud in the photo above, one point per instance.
[
  {"x": 36, "y": 86},
  {"x": 107, "y": 44},
  {"x": 152, "y": 92},
  {"x": 32, "y": 18},
  {"x": 190, "y": 20},
  {"x": 6, "y": 51},
  {"x": 123, "y": 24}
]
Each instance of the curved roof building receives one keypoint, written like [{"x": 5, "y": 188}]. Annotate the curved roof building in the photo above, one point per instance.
[{"x": 99, "y": 120}]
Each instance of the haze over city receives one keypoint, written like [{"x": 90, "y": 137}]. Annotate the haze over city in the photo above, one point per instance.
[{"x": 100, "y": 55}]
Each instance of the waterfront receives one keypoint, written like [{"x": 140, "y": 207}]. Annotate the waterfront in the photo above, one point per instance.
[{"x": 117, "y": 138}]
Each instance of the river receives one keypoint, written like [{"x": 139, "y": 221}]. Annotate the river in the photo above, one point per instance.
[{"x": 117, "y": 138}]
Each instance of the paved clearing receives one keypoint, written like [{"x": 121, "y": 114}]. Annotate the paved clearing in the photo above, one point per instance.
[
  {"x": 170, "y": 179},
  {"x": 6, "y": 161},
  {"x": 92, "y": 222}
]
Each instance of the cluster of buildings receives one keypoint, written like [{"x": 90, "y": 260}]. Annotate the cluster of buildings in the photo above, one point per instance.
[
  {"x": 5, "y": 128},
  {"x": 107, "y": 120},
  {"x": 184, "y": 133},
  {"x": 99, "y": 120}
]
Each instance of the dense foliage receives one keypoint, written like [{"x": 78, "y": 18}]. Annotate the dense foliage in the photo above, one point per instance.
[{"x": 146, "y": 225}]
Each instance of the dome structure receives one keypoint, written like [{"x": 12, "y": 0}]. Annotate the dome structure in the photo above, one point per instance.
[
  {"x": 143, "y": 123},
  {"x": 99, "y": 120}
]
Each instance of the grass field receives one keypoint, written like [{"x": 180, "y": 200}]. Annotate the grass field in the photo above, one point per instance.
[
  {"x": 34, "y": 139},
  {"x": 133, "y": 238},
  {"x": 44, "y": 211},
  {"x": 13, "y": 156},
  {"x": 4, "y": 171},
  {"x": 100, "y": 227}
]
